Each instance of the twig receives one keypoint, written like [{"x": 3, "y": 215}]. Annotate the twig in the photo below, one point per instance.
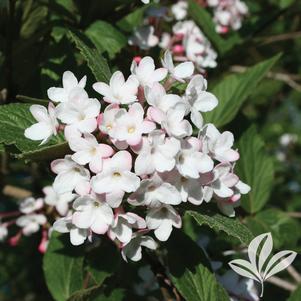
[
  {"x": 166, "y": 287},
  {"x": 294, "y": 273},
  {"x": 16, "y": 192},
  {"x": 281, "y": 37},
  {"x": 282, "y": 283},
  {"x": 294, "y": 214},
  {"x": 289, "y": 79}
]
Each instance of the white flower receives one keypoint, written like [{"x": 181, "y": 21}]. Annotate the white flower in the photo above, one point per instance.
[
  {"x": 93, "y": 214},
  {"x": 198, "y": 99},
  {"x": 179, "y": 72},
  {"x": 222, "y": 182},
  {"x": 31, "y": 223},
  {"x": 175, "y": 124},
  {"x": 157, "y": 153},
  {"x": 70, "y": 176},
  {"x": 179, "y": 10},
  {"x": 191, "y": 190},
  {"x": 146, "y": 72},
  {"x": 88, "y": 150},
  {"x": 118, "y": 91},
  {"x": 123, "y": 226},
  {"x": 144, "y": 37},
  {"x": 3, "y": 232},
  {"x": 133, "y": 249},
  {"x": 153, "y": 192},
  {"x": 47, "y": 123},
  {"x": 69, "y": 83},
  {"x": 160, "y": 102},
  {"x": 59, "y": 201},
  {"x": 80, "y": 111},
  {"x": 145, "y": 1},
  {"x": 218, "y": 145},
  {"x": 77, "y": 235},
  {"x": 30, "y": 205},
  {"x": 130, "y": 125},
  {"x": 191, "y": 161},
  {"x": 162, "y": 219},
  {"x": 116, "y": 175}
]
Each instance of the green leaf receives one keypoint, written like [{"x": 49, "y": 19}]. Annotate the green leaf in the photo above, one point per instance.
[
  {"x": 106, "y": 38},
  {"x": 285, "y": 230},
  {"x": 217, "y": 222},
  {"x": 14, "y": 119},
  {"x": 103, "y": 262},
  {"x": 235, "y": 89},
  {"x": 296, "y": 295},
  {"x": 97, "y": 63},
  {"x": 132, "y": 20},
  {"x": 63, "y": 267},
  {"x": 190, "y": 270},
  {"x": 202, "y": 17},
  {"x": 255, "y": 168}
]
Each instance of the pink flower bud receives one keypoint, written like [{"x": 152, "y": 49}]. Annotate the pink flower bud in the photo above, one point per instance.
[
  {"x": 137, "y": 59},
  {"x": 178, "y": 49}
]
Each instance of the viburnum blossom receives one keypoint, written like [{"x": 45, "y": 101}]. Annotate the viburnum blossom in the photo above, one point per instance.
[
  {"x": 136, "y": 156},
  {"x": 47, "y": 123},
  {"x": 228, "y": 14}
]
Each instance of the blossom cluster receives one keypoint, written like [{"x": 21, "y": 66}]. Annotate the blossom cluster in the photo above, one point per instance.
[
  {"x": 137, "y": 154},
  {"x": 35, "y": 214},
  {"x": 186, "y": 40}
]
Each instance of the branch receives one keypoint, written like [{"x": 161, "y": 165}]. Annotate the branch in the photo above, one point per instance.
[
  {"x": 16, "y": 192},
  {"x": 281, "y": 37},
  {"x": 282, "y": 283},
  {"x": 169, "y": 292},
  {"x": 289, "y": 79},
  {"x": 294, "y": 273}
]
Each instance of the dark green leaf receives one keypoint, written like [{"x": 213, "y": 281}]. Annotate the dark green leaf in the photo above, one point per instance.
[
  {"x": 132, "y": 20},
  {"x": 106, "y": 38},
  {"x": 217, "y": 222},
  {"x": 284, "y": 229},
  {"x": 255, "y": 168},
  {"x": 97, "y": 63},
  {"x": 63, "y": 267},
  {"x": 102, "y": 262},
  {"x": 190, "y": 270},
  {"x": 235, "y": 89}
]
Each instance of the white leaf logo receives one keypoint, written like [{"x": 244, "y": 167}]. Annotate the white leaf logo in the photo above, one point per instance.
[{"x": 259, "y": 268}]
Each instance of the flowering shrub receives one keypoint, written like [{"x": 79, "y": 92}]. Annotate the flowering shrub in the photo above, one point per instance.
[{"x": 123, "y": 180}]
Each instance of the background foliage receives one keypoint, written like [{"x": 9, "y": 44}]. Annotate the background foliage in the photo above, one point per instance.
[{"x": 41, "y": 39}]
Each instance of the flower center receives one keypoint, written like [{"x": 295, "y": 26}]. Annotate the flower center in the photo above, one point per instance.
[
  {"x": 96, "y": 204},
  {"x": 131, "y": 130},
  {"x": 116, "y": 174}
]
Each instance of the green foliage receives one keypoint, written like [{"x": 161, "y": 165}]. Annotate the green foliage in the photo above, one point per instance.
[
  {"x": 256, "y": 168},
  {"x": 218, "y": 222},
  {"x": 106, "y": 38},
  {"x": 100, "y": 265},
  {"x": 63, "y": 267},
  {"x": 233, "y": 90},
  {"x": 285, "y": 230},
  {"x": 14, "y": 119},
  {"x": 296, "y": 295},
  {"x": 132, "y": 20},
  {"x": 191, "y": 272},
  {"x": 97, "y": 63}
]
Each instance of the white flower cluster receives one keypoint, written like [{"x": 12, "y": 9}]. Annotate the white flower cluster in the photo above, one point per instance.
[
  {"x": 135, "y": 151},
  {"x": 35, "y": 214},
  {"x": 228, "y": 14},
  {"x": 185, "y": 40}
]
